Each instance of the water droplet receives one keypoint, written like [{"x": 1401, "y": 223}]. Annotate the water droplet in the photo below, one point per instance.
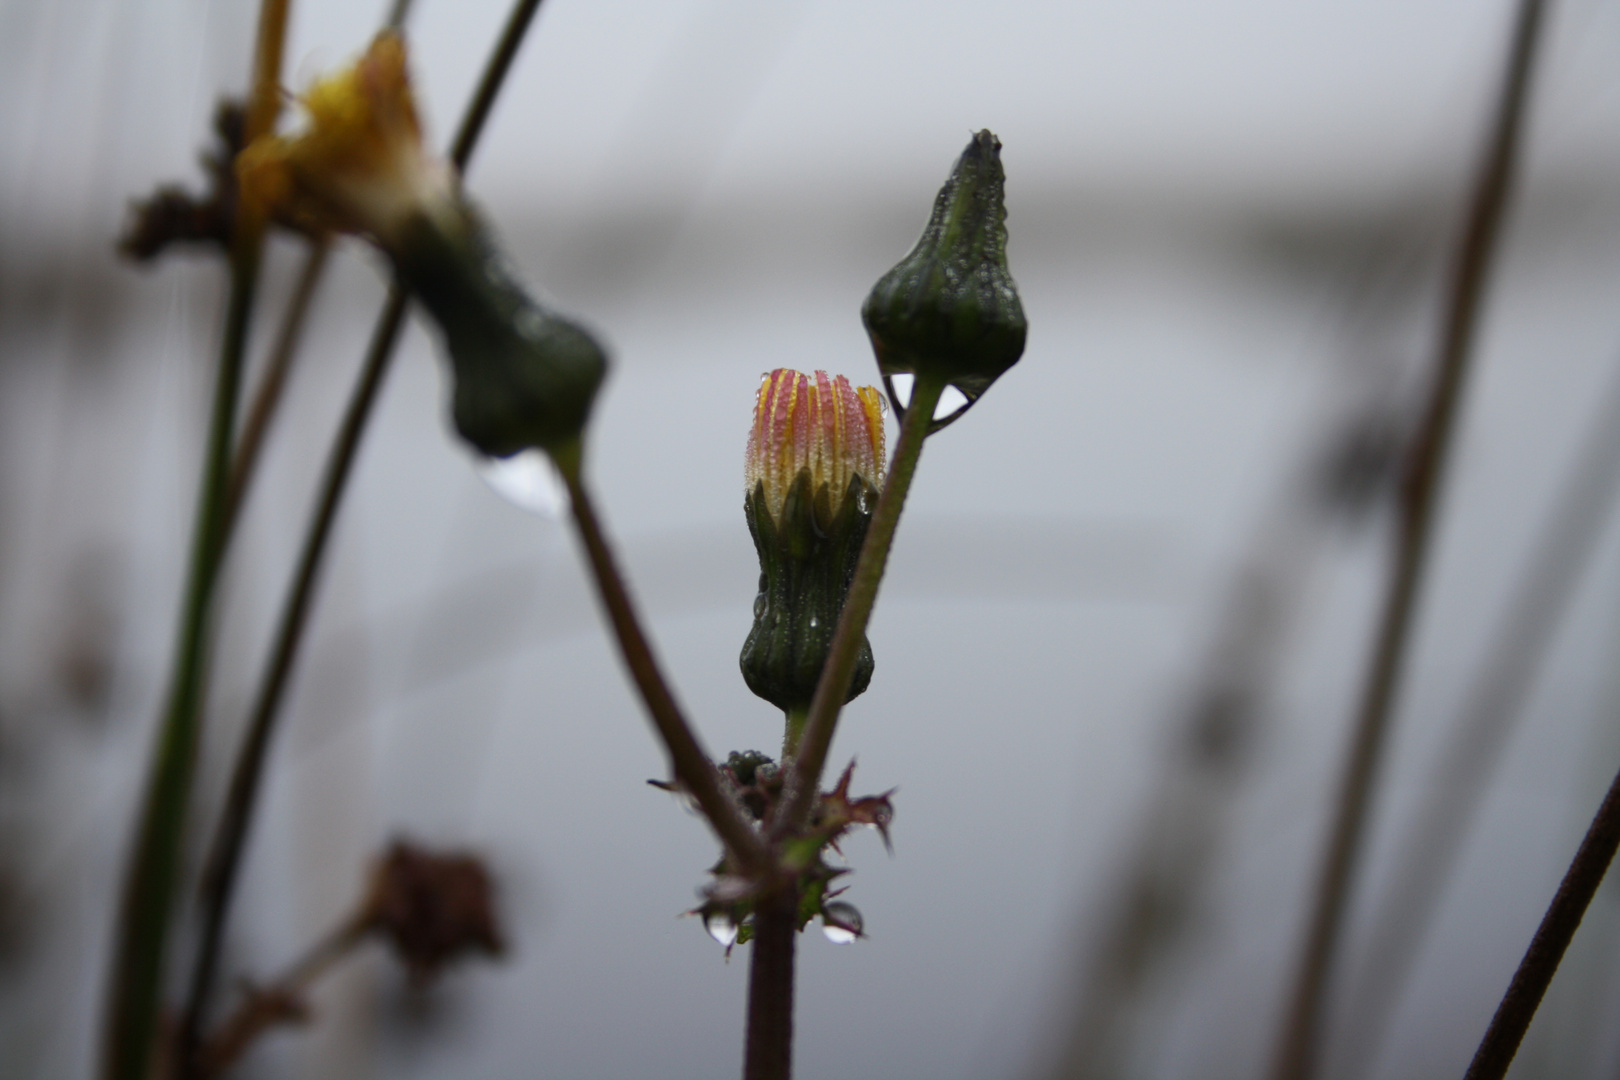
[
  {"x": 528, "y": 481},
  {"x": 841, "y": 922},
  {"x": 529, "y": 323},
  {"x": 814, "y": 622},
  {"x": 949, "y": 401},
  {"x": 721, "y": 928}
]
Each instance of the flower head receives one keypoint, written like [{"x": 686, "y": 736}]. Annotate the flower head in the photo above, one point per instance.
[
  {"x": 359, "y": 164},
  {"x": 814, "y": 466},
  {"x": 819, "y": 424}
]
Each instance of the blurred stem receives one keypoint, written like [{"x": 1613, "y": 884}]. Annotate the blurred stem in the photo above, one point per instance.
[
  {"x": 1296, "y": 1051},
  {"x": 804, "y": 775},
  {"x": 768, "y": 1051},
  {"x": 398, "y": 12},
  {"x": 264, "y": 1007},
  {"x": 1557, "y": 929},
  {"x": 268, "y": 397},
  {"x": 692, "y": 764},
  {"x": 141, "y": 935},
  {"x": 1454, "y": 786},
  {"x": 225, "y": 853}
]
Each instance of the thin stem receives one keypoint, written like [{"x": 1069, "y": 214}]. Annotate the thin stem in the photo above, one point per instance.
[
  {"x": 1481, "y": 729},
  {"x": 267, "y": 399},
  {"x": 225, "y": 854},
  {"x": 1557, "y": 929},
  {"x": 692, "y": 764},
  {"x": 768, "y": 1051},
  {"x": 793, "y": 732},
  {"x": 804, "y": 776},
  {"x": 142, "y": 933},
  {"x": 265, "y": 1007},
  {"x": 1297, "y": 1047}
]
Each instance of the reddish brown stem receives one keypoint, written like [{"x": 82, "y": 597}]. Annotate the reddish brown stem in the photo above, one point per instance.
[{"x": 768, "y": 1054}]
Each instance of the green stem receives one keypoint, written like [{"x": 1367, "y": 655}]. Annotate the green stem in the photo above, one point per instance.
[
  {"x": 793, "y": 732},
  {"x": 804, "y": 776},
  {"x": 225, "y": 853},
  {"x": 154, "y": 870},
  {"x": 142, "y": 931},
  {"x": 692, "y": 764}
]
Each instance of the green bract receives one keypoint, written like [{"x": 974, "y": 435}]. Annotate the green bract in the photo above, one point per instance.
[{"x": 807, "y": 557}]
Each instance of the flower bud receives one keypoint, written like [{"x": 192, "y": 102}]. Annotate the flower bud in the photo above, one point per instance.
[
  {"x": 814, "y": 468},
  {"x": 524, "y": 377},
  {"x": 950, "y": 309}
]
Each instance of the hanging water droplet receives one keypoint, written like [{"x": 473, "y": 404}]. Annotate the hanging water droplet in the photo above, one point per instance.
[
  {"x": 721, "y": 928},
  {"x": 528, "y": 481},
  {"x": 841, "y": 922},
  {"x": 949, "y": 401},
  {"x": 814, "y": 622}
]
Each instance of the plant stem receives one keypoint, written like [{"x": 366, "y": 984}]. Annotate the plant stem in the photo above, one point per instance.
[
  {"x": 1557, "y": 929},
  {"x": 224, "y": 858},
  {"x": 1480, "y": 732},
  {"x": 264, "y": 1007},
  {"x": 1296, "y": 1051},
  {"x": 268, "y": 397},
  {"x": 804, "y": 776},
  {"x": 793, "y": 732},
  {"x": 768, "y": 1052},
  {"x": 692, "y": 765},
  {"x": 141, "y": 935},
  {"x": 225, "y": 854}
]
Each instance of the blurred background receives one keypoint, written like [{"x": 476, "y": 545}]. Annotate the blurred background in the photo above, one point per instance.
[{"x": 1129, "y": 607}]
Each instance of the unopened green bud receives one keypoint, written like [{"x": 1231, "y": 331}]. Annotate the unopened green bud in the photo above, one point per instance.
[
  {"x": 814, "y": 469},
  {"x": 950, "y": 309},
  {"x": 524, "y": 377}
]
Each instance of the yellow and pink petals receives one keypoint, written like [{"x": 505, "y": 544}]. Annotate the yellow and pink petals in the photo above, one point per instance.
[{"x": 823, "y": 424}]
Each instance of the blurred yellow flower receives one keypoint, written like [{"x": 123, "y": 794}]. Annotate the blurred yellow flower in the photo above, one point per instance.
[{"x": 359, "y": 164}]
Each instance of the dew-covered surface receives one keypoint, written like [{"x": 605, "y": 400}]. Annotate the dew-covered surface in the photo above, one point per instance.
[{"x": 1225, "y": 234}]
